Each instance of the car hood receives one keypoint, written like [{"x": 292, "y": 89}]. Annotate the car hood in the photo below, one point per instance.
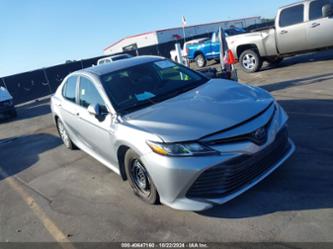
[{"x": 209, "y": 108}]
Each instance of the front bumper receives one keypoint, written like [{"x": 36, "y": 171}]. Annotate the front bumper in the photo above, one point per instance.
[
  {"x": 174, "y": 178},
  {"x": 177, "y": 178}
]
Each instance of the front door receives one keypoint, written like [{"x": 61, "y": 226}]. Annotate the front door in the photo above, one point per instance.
[{"x": 96, "y": 131}]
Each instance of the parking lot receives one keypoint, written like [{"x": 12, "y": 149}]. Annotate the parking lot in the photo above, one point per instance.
[{"x": 48, "y": 193}]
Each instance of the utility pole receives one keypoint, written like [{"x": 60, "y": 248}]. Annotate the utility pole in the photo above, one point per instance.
[{"x": 184, "y": 24}]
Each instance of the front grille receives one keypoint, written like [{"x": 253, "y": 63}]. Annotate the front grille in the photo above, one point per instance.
[
  {"x": 226, "y": 178},
  {"x": 249, "y": 136}
]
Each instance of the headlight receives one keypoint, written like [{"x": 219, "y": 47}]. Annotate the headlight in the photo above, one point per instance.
[{"x": 180, "y": 149}]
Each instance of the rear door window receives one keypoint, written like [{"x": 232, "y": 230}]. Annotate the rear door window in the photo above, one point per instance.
[
  {"x": 316, "y": 9},
  {"x": 291, "y": 16},
  {"x": 69, "y": 89}
]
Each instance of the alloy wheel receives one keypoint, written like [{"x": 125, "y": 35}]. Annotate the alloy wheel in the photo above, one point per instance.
[{"x": 249, "y": 61}]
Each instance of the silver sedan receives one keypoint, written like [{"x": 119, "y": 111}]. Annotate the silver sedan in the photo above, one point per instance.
[{"x": 178, "y": 137}]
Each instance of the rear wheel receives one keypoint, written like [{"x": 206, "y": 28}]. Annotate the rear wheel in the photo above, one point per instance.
[
  {"x": 200, "y": 60},
  {"x": 250, "y": 61},
  {"x": 139, "y": 178},
  {"x": 64, "y": 136}
]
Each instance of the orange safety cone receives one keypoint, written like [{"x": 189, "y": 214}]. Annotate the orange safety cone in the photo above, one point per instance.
[{"x": 231, "y": 58}]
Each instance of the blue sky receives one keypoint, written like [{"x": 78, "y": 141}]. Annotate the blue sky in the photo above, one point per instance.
[{"x": 41, "y": 33}]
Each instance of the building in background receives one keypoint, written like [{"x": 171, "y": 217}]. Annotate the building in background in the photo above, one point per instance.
[{"x": 160, "y": 42}]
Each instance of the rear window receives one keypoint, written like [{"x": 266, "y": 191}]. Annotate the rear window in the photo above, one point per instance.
[
  {"x": 292, "y": 16},
  {"x": 69, "y": 89}
]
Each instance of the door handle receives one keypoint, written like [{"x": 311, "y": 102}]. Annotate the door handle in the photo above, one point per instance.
[
  {"x": 283, "y": 32},
  {"x": 315, "y": 24},
  {"x": 77, "y": 114}
]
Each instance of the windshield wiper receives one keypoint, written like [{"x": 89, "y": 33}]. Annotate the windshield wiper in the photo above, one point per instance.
[
  {"x": 173, "y": 93},
  {"x": 138, "y": 105}
]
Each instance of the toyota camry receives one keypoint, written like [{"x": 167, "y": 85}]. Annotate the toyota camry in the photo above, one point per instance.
[{"x": 178, "y": 137}]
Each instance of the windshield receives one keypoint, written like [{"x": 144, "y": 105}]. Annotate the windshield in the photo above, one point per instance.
[{"x": 136, "y": 87}]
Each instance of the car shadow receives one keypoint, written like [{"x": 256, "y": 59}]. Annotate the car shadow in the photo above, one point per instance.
[
  {"x": 20, "y": 153},
  {"x": 305, "y": 181},
  {"x": 302, "y": 58},
  {"x": 297, "y": 82}
]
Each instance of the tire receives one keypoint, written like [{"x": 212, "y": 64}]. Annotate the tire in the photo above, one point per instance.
[
  {"x": 64, "y": 136},
  {"x": 200, "y": 61},
  {"x": 139, "y": 179},
  {"x": 250, "y": 61}
]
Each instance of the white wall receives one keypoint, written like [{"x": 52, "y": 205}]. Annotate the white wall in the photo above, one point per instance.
[
  {"x": 143, "y": 40},
  {"x": 167, "y": 35}
]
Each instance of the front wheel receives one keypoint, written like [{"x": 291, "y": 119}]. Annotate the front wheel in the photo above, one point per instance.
[
  {"x": 139, "y": 178},
  {"x": 200, "y": 60},
  {"x": 250, "y": 61}
]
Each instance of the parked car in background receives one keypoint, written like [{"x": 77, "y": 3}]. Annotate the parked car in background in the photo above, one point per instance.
[
  {"x": 7, "y": 108},
  {"x": 175, "y": 135},
  {"x": 209, "y": 49},
  {"x": 113, "y": 58},
  {"x": 173, "y": 53},
  {"x": 299, "y": 27}
]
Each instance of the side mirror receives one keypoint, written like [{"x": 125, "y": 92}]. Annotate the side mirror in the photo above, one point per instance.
[
  {"x": 327, "y": 10},
  {"x": 94, "y": 110}
]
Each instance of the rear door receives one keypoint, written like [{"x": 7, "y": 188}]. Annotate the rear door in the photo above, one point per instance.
[
  {"x": 319, "y": 28},
  {"x": 69, "y": 108},
  {"x": 291, "y": 30}
]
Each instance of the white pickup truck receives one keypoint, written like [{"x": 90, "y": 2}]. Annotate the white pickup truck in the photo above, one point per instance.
[{"x": 301, "y": 27}]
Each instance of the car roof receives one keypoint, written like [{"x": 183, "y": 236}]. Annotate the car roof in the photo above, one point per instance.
[{"x": 119, "y": 65}]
